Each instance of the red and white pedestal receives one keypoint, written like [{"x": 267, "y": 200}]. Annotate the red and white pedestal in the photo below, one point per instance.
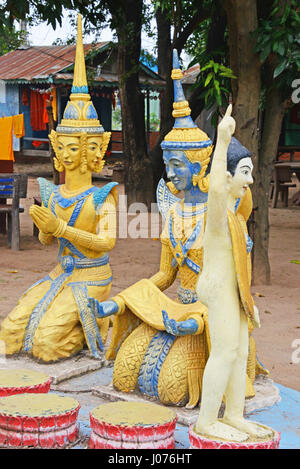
[
  {"x": 39, "y": 420},
  {"x": 200, "y": 442},
  {"x": 132, "y": 425},
  {"x": 19, "y": 381}
]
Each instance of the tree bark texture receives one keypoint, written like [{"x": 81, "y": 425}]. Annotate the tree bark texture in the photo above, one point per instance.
[
  {"x": 164, "y": 56},
  {"x": 272, "y": 123},
  {"x": 138, "y": 168},
  {"x": 242, "y": 21}
]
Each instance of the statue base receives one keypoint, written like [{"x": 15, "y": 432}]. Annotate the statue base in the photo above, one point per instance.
[
  {"x": 20, "y": 381},
  {"x": 132, "y": 425},
  {"x": 198, "y": 441},
  {"x": 48, "y": 421}
]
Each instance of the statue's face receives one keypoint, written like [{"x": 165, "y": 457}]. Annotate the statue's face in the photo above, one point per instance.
[
  {"x": 68, "y": 149},
  {"x": 94, "y": 152},
  {"x": 179, "y": 169},
  {"x": 242, "y": 178}
]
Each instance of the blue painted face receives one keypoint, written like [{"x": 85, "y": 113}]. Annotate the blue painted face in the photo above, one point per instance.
[{"x": 179, "y": 169}]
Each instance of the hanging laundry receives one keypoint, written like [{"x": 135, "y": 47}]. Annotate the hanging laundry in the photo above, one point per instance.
[
  {"x": 37, "y": 111},
  {"x": 54, "y": 103},
  {"x": 8, "y": 125},
  {"x": 18, "y": 125},
  {"x": 45, "y": 97},
  {"x": 25, "y": 98}
]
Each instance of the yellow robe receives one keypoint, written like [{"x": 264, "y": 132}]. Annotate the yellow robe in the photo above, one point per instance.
[
  {"x": 136, "y": 329},
  {"x": 62, "y": 328}
]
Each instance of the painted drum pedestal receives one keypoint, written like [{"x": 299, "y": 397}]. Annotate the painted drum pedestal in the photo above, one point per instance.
[
  {"x": 132, "y": 425},
  {"x": 198, "y": 441},
  {"x": 40, "y": 421},
  {"x": 19, "y": 381}
]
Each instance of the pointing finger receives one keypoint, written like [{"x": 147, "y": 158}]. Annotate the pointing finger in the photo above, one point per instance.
[{"x": 228, "y": 111}]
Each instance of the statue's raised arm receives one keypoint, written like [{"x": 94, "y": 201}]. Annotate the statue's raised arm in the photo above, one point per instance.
[
  {"x": 217, "y": 201},
  {"x": 224, "y": 287}
]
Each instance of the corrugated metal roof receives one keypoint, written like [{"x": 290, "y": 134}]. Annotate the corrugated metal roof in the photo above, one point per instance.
[
  {"x": 190, "y": 75},
  {"x": 48, "y": 64},
  {"x": 38, "y": 63}
]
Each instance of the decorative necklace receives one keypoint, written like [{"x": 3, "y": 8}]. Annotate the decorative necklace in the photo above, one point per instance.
[{"x": 185, "y": 210}]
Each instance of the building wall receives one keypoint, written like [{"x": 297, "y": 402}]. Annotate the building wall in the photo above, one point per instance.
[{"x": 9, "y": 106}]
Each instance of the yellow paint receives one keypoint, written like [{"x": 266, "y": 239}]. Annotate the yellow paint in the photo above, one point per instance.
[
  {"x": 224, "y": 287},
  {"x": 19, "y": 377},
  {"x": 79, "y": 146},
  {"x": 133, "y": 413},
  {"x": 36, "y": 405}
]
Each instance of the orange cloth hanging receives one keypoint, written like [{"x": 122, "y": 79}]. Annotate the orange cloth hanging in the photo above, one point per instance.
[
  {"x": 45, "y": 97},
  {"x": 25, "y": 100},
  {"x": 8, "y": 125},
  {"x": 37, "y": 111},
  {"x": 54, "y": 104},
  {"x": 18, "y": 124},
  {"x": 6, "y": 138}
]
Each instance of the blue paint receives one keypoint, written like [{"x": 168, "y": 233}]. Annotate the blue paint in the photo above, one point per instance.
[
  {"x": 184, "y": 259},
  {"x": 10, "y": 108},
  {"x": 71, "y": 112},
  {"x": 79, "y": 89},
  {"x": 91, "y": 112},
  {"x": 180, "y": 171},
  {"x": 153, "y": 360},
  {"x": 283, "y": 417}
]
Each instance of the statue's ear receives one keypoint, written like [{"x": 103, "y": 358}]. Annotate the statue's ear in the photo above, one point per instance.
[
  {"x": 196, "y": 168},
  {"x": 229, "y": 177}
]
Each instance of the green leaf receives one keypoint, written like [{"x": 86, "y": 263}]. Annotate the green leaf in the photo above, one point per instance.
[
  {"x": 279, "y": 69},
  {"x": 265, "y": 52},
  {"x": 281, "y": 49},
  {"x": 208, "y": 78}
]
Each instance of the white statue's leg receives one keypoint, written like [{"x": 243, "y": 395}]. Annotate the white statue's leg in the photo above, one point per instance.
[
  {"x": 235, "y": 392},
  {"x": 224, "y": 327}
]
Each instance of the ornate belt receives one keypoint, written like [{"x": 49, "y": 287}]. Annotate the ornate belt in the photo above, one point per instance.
[
  {"x": 68, "y": 263},
  {"x": 186, "y": 296}
]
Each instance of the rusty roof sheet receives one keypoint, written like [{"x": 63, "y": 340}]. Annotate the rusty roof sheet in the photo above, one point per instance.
[
  {"x": 38, "y": 63},
  {"x": 190, "y": 75}
]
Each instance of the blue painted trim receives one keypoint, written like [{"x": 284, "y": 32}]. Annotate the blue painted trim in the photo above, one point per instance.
[
  {"x": 88, "y": 320},
  {"x": 152, "y": 362},
  {"x": 79, "y": 89}
]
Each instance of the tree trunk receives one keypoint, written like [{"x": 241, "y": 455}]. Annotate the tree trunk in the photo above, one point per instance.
[
  {"x": 273, "y": 116},
  {"x": 242, "y": 21},
  {"x": 164, "y": 57},
  {"x": 138, "y": 168}
]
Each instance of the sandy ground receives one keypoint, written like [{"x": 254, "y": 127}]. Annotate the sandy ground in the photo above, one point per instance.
[{"x": 278, "y": 339}]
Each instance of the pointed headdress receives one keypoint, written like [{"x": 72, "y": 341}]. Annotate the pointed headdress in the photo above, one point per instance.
[
  {"x": 185, "y": 134},
  {"x": 80, "y": 117}
]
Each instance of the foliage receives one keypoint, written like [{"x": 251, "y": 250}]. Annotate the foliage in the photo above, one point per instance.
[
  {"x": 117, "y": 120},
  {"x": 214, "y": 79},
  {"x": 154, "y": 122},
  {"x": 10, "y": 39},
  {"x": 278, "y": 41}
]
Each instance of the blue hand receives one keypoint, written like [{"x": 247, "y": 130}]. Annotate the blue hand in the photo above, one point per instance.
[
  {"x": 104, "y": 308},
  {"x": 178, "y": 328}
]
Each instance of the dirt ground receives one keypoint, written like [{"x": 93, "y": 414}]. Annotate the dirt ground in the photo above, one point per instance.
[{"x": 278, "y": 339}]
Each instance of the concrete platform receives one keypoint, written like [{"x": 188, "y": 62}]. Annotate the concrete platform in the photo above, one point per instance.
[
  {"x": 60, "y": 371},
  {"x": 267, "y": 394},
  {"x": 89, "y": 381}
]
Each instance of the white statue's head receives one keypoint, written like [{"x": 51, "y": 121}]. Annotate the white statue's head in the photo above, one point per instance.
[{"x": 239, "y": 169}]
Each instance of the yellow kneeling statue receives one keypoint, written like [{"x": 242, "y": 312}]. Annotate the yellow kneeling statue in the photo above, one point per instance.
[
  {"x": 158, "y": 345},
  {"x": 52, "y": 319}
]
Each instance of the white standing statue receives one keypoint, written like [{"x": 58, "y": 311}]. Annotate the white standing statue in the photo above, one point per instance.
[{"x": 224, "y": 287}]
